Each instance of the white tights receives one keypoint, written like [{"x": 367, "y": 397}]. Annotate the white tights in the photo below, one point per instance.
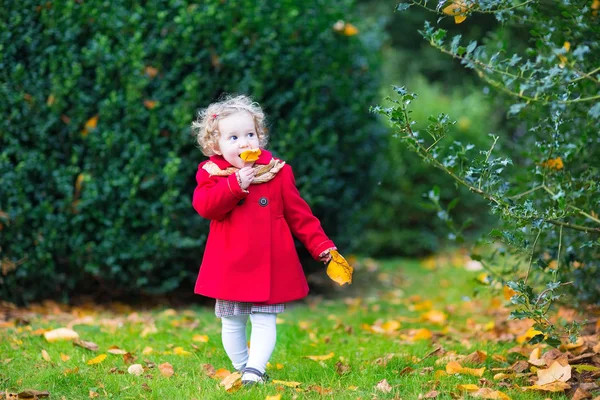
[{"x": 262, "y": 340}]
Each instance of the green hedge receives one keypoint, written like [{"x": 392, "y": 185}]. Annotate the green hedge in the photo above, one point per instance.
[{"x": 107, "y": 209}]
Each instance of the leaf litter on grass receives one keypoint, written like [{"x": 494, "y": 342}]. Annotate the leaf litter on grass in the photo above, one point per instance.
[{"x": 457, "y": 338}]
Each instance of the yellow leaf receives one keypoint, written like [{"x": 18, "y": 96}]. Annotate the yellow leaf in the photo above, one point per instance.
[
  {"x": 440, "y": 373},
  {"x": 534, "y": 357},
  {"x": 64, "y": 357},
  {"x": 557, "y": 386},
  {"x": 97, "y": 360},
  {"x": 556, "y": 372},
  {"x": 422, "y": 334},
  {"x": 338, "y": 269},
  {"x": 484, "y": 278},
  {"x": 232, "y": 382},
  {"x": 276, "y": 397},
  {"x": 181, "y": 352},
  {"x": 286, "y": 383},
  {"x": 250, "y": 155},
  {"x": 555, "y": 163},
  {"x": 200, "y": 338},
  {"x": 91, "y": 123},
  {"x": 350, "y": 30},
  {"x": 468, "y": 387},
  {"x": 51, "y": 100},
  {"x": 150, "y": 104},
  {"x": 459, "y": 19},
  {"x": 60, "y": 334},
  {"x": 531, "y": 332},
  {"x": 487, "y": 393},
  {"x": 390, "y": 326},
  {"x": 454, "y": 367},
  {"x": 456, "y": 8},
  {"x": 221, "y": 373},
  {"x": 151, "y": 71},
  {"x": 567, "y": 46},
  {"x": 321, "y": 358},
  {"x": 147, "y": 350},
  {"x": 434, "y": 316},
  {"x": 508, "y": 292}
]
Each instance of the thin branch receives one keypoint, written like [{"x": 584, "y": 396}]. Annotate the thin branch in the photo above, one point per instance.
[
  {"x": 586, "y": 75},
  {"x": 532, "y": 251},
  {"x": 516, "y": 196}
]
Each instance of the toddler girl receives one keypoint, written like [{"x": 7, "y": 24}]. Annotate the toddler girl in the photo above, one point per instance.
[{"x": 250, "y": 263}]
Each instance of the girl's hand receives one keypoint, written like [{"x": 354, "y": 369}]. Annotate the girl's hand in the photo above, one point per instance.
[
  {"x": 246, "y": 176},
  {"x": 326, "y": 256}
]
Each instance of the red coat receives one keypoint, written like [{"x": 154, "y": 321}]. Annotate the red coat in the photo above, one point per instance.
[{"x": 250, "y": 254}]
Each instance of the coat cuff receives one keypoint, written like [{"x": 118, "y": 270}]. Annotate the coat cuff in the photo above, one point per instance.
[
  {"x": 235, "y": 188},
  {"x": 327, "y": 244}
]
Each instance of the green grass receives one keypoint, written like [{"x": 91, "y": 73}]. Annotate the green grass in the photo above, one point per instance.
[{"x": 316, "y": 327}]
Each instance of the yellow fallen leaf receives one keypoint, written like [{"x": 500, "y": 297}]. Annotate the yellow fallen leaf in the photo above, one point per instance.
[
  {"x": 534, "y": 357},
  {"x": 487, "y": 393},
  {"x": 390, "y": 326},
  {"x": 556, "y": 372},
  {"x": 469, "y": 387},
  {"x": 321, "y": 358},
  {"x": 147, "y": 350},
  {"x": 232, "y": 382},
  {"x": 166, "y": 369},
  {"x": 181, "y": 352},
  {"x": 286, "y": 383},
  {"x": 434, "y": 316},
  {"x": 557, "y": 386},
  {"x": 338, "y": 269},
  {"x": 64, "y": 357},
  {"x": 97, "y": 360},
  {"x": 421, "y": 334},
  {"x": 384, "y": 386},
  {"x": 221, "y": 373},
  {"x": 276, "y": 397},
  {"x": 116, "y": 350},
  {"x": 454, "y": 367},
  {"x": 250, "y": 155},
  {"x": 61, "y": 334},
  {"x": 200, "y": 338}
]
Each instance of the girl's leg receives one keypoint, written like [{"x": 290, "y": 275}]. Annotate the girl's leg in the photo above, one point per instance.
[
  {"x": 262, "y": 343},
  {"x": 234, "y": 339}
]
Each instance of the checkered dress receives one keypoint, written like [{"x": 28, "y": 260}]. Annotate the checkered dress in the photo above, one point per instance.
[{"x": 226, "y": 308}]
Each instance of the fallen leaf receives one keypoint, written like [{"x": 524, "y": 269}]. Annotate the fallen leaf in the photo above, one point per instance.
[
  {"x": 384, "y": 386},
  {"x": 286, "y": 383},
  {"x": 232, "y": 382},
  {"x": 276, "y": 397},
  {"x": 209, "y": 370},
  {"x": 135, "y": 369},
  {"x": 435, "y": 317},
  {"x": 97, "y": 360},
  {"x": 46, "y": 356},
  {"x": 454, "y": 367},
  {"x": 349, "y": 29},
  {"x": 556, "y": 386},
  {"x": 86, "y": 345},
  {"x": 555, "y": 372},
  {"x": 151, "y": 71},
  {"x": 181, "y": 352},
  {"x": 221, "y": 373},
  {"x": 477, "y": 357},
  {"x": 147, "y": 350},
  {"x": 487, "y": 393},
  {"x": 469, "y": 387},
  {"x": 535, "y": 357},
  {"x": 33, "y": 394},
  {"x": 93, "y": 394},
  {"x": 64, "y": 357},
  {"x": 166, "y": 369},
  {"x": 116, "y": 350},
  {"x": 150, "y": 104},
  {"x": 321, "y": 358},
  {"x": 431, "y": 395},
  {"x": 581, "y": 394},
  {"x": 61, "y": 334},
  {"x": 200, "y": 338},
  {"x": 338, "y": 269}
]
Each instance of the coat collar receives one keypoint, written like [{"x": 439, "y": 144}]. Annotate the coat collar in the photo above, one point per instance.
[{"x": 264, "y": 158}]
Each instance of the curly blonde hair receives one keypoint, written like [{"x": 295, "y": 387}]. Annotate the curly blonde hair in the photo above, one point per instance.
[{"x": 205, "y": 128}]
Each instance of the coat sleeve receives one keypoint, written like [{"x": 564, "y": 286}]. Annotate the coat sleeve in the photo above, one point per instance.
[
  {"x": 302, "y": 222},
  {"x": 215, "y": 198}
]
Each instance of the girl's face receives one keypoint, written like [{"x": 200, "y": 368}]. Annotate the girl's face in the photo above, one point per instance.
[{"x": 238, "y": 133}]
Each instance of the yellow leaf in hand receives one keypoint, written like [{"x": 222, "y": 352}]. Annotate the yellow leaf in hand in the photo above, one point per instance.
[
  {"x": 338, "y": 269},
  {"x": 250, "y": 155}
]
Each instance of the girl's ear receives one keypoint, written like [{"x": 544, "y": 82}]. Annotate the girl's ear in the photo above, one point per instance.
[{"x": 215, "y": 149}]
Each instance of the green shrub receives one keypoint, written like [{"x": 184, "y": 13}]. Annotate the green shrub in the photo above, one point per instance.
[{"x": 97, "y": 166}]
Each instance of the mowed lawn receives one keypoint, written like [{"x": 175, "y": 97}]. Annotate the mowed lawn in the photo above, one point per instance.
[{"x": 398, "y": 332}]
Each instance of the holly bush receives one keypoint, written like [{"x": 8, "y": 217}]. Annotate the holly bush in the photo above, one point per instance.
[
  {"x": 541, "y": 179},
  {"x": 97, "y": 164}
]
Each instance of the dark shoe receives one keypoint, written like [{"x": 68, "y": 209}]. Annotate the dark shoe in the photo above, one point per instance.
[{"x": 262, "y": 378}]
